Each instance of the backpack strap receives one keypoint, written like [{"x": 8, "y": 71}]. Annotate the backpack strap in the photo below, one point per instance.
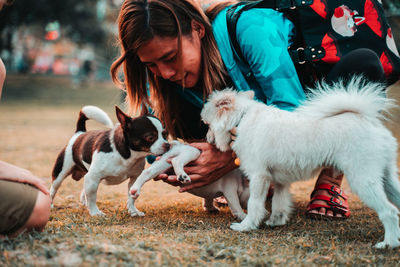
[{"x": 232, "y": 17}]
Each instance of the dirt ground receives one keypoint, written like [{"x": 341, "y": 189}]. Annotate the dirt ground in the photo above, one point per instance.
[{"x": 37, "y": 117}]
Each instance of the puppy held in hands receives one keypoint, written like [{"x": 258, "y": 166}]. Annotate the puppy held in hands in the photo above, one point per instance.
[
  {"x": 232, "y": 185},
  {"x": 109, "y": 156},
  {"x": 340, "y": 126}
]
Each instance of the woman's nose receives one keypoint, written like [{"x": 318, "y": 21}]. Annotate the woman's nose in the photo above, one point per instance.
[{"x": 166, "y": 72}]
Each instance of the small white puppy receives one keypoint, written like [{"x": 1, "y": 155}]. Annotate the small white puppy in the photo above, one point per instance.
[
  {"x": 232, "y": 185},
  {"x": 339, "y": 126}
]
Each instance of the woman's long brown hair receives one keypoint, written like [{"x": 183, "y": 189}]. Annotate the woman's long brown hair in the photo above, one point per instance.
[{"x": 138, "y": 22}]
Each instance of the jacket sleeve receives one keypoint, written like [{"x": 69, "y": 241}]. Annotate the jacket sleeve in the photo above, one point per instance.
[{"x": 264, "y": 36}]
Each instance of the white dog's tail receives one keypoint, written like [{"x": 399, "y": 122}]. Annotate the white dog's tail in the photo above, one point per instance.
[
  {"x": 92, "y": 113},
  {"x": 358, "y": 96}
]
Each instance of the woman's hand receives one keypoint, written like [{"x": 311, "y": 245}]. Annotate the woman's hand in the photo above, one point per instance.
[
  {"x": 211, "y": 165},
  {"x": 10, "y": 172}
]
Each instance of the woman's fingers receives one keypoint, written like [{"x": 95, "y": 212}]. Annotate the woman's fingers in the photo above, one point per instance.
[{"x": 162, "y": 176}]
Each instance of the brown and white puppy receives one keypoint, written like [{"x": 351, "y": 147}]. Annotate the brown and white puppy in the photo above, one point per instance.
[{"x": 110, "y": 156}]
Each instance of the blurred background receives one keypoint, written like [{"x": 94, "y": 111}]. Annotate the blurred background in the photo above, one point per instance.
[{"x": 76, "y": 38}]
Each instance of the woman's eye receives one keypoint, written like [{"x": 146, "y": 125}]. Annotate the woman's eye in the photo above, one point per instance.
[{"x": 171, "y": 59}]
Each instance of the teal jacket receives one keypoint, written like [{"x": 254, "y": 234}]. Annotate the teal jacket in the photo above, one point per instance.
[{"x": 263, "y": 35}]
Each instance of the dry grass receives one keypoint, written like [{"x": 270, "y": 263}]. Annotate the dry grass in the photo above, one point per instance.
[{"x": 175, "y": 231}]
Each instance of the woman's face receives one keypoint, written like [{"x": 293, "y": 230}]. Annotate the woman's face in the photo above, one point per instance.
[{"x": 161, "y": 56}]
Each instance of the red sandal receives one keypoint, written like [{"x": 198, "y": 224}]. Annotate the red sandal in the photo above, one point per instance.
[{"x": 336, "y": 202}]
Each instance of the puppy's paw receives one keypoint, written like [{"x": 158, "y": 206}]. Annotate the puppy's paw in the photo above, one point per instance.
[
  {"x": 241, "y": 227},
  {"x": 184, "y": 178},
  {"x": 96, "y": 213},
  {"x": 277, "y": 219},
  {"x": 210, "y": 137},
  {"x": 136, "y": 213},
  {"x": 384, "y": 244}
]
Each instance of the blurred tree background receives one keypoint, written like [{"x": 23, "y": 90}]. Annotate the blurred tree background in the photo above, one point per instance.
[
  {"x": 79, "y": 18},
  {"x": 77, "y": 37},
  {"x": 72, "y": 34}
]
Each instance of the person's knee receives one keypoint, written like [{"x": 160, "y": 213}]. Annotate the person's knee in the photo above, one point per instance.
[
  {"x": 371, "y": 66},
  {"x": 362, "y": 61},
  {"x": 41, "y": 213}
]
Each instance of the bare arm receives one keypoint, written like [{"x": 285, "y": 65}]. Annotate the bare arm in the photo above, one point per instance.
[
  {"x": 11, "y": 172},
  {"x": 2, "y": 75}
]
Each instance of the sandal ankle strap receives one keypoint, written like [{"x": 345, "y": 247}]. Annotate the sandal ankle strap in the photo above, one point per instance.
[{"x": 332, "y": 189}]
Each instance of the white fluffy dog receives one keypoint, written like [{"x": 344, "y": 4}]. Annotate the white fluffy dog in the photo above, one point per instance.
[{"x": 338, "y": 126}]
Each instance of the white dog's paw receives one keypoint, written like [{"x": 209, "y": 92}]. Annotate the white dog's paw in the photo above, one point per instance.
[
  {"x": 136, "y": 213},
  {"x": 242, "y": 227},
  {"x": 184, "y": 178},
  {"x": 384, "y": 244},
  {"x": 223, "y": 147},
  {"x": 277, "y": 219},
  {"x": 380, "y": 245},
  {"x": 210, "y": 137},
  {"x": 133, "y": 211},
  {"x": 96, "y": 213}
]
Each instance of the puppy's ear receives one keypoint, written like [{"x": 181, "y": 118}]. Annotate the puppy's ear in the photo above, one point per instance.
[
  {"x": 121, "y": 116},
  {"x": 249, "y": 94}
]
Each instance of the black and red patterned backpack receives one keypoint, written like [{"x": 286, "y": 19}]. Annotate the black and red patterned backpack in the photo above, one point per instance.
[{"x": 329, "y": 30}]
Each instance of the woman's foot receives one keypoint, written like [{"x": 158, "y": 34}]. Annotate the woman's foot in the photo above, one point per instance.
[{"x": 327, "y": 199}]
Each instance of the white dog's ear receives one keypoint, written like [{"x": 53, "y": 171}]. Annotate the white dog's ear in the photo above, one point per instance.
[{"x": 249, "y": 94}]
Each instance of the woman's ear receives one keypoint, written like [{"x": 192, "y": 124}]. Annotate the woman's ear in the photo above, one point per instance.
[{"x": 198, "y": 28}]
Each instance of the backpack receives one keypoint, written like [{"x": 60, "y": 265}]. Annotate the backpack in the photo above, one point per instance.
[{"x": 329, "y": 29}]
